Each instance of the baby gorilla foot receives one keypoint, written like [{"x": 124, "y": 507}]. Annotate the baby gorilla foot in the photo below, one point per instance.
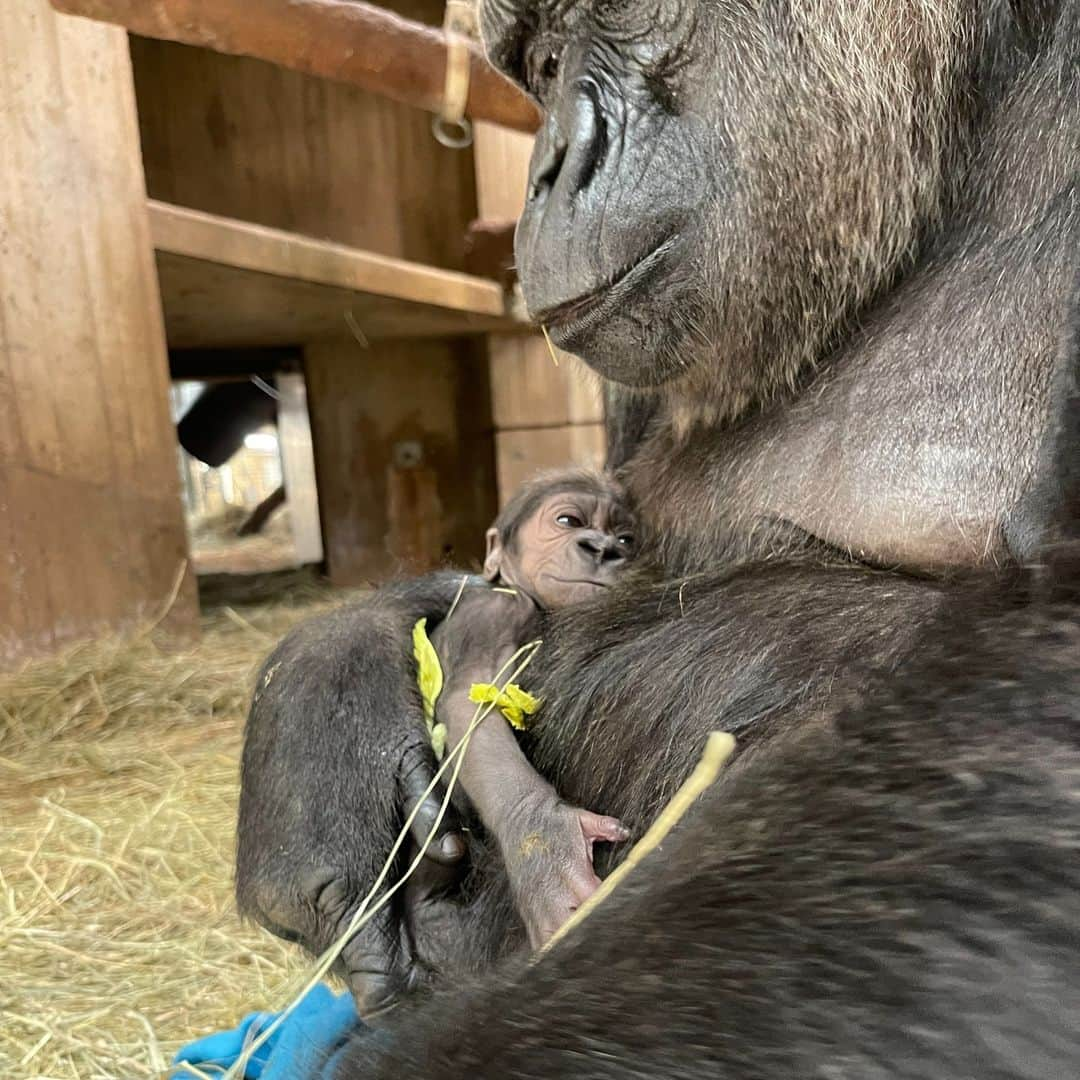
[{"x": 548, "y": 849}]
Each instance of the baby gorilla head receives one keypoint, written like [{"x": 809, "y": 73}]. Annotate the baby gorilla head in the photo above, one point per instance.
[{"x": 562, "y": 538}]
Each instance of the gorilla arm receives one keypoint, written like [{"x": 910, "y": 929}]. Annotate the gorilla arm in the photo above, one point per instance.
[
  {"x": 885, "y": 901},
  {"x": 545, "y": 843}
]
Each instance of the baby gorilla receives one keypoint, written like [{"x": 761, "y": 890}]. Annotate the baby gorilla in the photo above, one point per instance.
[{"x": 562, "y": 539}]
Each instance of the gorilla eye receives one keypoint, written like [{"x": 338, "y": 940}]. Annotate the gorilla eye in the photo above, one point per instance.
[
  {"x": 542, "y": 68},
  {"x": 626, "y": 540},
  {"x": 571, "y": 521}
]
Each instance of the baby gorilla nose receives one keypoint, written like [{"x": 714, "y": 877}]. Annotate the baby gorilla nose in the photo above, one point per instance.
[{"x": 602, "y": 547}]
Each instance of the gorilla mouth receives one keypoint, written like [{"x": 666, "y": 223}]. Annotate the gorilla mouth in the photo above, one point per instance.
[
  {"x": 584, "y": 581},
  {"x": 573, "y": 317}
]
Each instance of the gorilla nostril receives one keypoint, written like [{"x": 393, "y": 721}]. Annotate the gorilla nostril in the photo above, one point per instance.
[
  {"x": 588, "y": 137},
  {"x": 545, "y": 170},
  {"x": 591, "y": 545}
]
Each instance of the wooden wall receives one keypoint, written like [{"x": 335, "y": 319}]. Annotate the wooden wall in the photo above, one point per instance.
[
  {"x": 545, "y": 416},
  {"x": 91, "y": 535},
  {"x": 249, "y": 140}
]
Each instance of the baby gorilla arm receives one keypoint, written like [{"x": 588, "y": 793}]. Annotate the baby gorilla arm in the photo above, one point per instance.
[{"x": 545, "y": 844}]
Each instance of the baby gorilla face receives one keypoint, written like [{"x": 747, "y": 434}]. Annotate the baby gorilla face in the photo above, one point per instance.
[{"x": 570, "y": 548}]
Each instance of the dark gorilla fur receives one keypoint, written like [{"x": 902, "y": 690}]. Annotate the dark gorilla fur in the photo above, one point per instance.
[
  {"x": 894, "y": 895},
  {"x": 828, "y": 250},
  {"x": 900, "y": 898}
]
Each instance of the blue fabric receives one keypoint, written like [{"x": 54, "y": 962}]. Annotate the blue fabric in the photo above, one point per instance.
[{"x": 304, "y": 1046}]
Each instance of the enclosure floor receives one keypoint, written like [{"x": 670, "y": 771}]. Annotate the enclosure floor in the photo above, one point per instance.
[{"x": 119, "y": 939}]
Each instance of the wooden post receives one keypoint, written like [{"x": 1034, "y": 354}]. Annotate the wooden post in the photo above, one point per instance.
[
  {"x": 402, "y": 453},
  {"x": 91, "y": 532},
  {"x": 545, "y": 415}
]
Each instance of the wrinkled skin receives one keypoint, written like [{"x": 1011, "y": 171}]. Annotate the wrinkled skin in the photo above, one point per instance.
[
  {"x": 771, "y": 184},
  {"x": 571, "y": 546},
  {"x": 827, "y": 252}
]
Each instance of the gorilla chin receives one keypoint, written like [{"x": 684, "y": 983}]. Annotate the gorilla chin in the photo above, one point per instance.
[{"x": 628, "y": 329}]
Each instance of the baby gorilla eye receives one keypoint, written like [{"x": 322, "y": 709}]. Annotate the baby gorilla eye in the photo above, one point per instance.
[
  {"x": 626, "y": 540},
  {"x": 571, "y": 521}
]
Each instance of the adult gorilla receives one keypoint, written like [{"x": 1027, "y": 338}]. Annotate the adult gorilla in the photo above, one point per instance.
[{"x": 825, "y": 250}]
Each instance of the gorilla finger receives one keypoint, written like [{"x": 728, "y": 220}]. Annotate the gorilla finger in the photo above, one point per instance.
[
  {"x": 601, "y": 827},
  {"x": 374, "y": 965},
  {"x": 447, "y": 841},
  {"x": 433, "y": 877}
]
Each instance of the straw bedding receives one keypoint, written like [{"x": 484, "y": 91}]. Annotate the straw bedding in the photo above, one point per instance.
[{"x": 118, "y": 783}]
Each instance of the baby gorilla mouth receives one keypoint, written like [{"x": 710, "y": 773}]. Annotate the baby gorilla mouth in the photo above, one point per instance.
[{"x": 570, "y": 319}]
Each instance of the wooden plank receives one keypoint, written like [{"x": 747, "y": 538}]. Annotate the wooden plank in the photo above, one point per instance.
[
  {"x": 196, "y": 235},
  {"x": 502, "y": 171},
  {"x": 528, "y": 390},
  {"x": 46, "y": 317},
  {"x": 246, "y": 140},
  {"x": 545, "y": 415},
  {"x": 208, "y": 305},
  {"x": 520, "y": 454},
  {"x": 226, "y": 283},
  {"x": 18, "y": 623},
  {"x": 121, "y": 283},
  {"x": 82, "y": 356},
  {"x": 346, "y": 40},
  {"x": 11, "y": 440}
]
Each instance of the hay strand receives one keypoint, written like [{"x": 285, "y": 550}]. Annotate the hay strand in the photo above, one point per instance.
[
  {"x": 119, "y": 939},
  {"x": 718, "y": 748},
  {"x": 367, "y": 909}
]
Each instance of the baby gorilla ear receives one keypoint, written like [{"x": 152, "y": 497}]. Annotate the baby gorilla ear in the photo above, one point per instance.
[{"x": 493, "y": 560}]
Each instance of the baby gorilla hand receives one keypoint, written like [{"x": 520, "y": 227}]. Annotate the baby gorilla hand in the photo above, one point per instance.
[{"x": 548, "y": 848}]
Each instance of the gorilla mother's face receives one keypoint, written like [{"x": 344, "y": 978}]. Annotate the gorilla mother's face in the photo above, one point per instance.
[{"x": 708, "y": 172}]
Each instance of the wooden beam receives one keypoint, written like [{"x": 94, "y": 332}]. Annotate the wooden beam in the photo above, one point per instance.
[
  {"x": 403, "y": 456},
  {"x": 228, "y": 283},
  {"x": 191, "y": 233},
  {"x": 344, "y": 40}
]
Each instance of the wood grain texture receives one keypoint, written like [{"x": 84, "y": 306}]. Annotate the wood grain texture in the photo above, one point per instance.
[
  {"x": 255, "y": 142},
  {"x": 93, "y": 536},
  {"x": 545, "y": 415},
  {"x": 365, "y": 404},
  {"x": 529, "y": 390},
  {"x": 228, "y": 260},
  {"x": 229, "y": 283},
  {"x": 521, "y": 454},
  {"x": 347, "y": 40}
]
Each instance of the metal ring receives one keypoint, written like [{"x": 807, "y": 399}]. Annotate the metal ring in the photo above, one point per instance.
[{"x": 453, "y": 134}]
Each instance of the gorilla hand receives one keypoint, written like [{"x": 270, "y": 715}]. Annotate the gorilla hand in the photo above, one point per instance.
[{"x": 547, "y": 846}]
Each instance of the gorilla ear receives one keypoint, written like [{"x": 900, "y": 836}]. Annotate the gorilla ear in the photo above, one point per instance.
[{"x": 494, "y": 557}]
